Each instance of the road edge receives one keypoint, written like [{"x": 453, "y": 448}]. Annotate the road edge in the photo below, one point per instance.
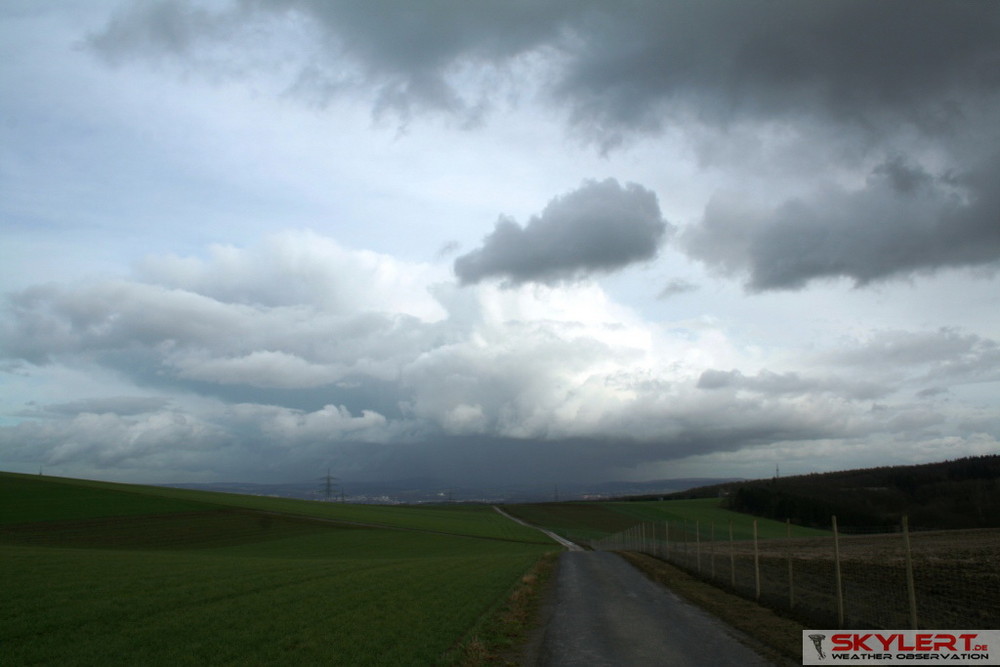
[{"x": 774, "y": 637}]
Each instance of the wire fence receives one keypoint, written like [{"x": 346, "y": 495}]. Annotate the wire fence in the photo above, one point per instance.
[{"x": 916, "y": 580}]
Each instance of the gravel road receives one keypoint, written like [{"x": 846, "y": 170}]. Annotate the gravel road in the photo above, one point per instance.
[
  {"x": 555, "y": 538},
  {"x": 607, "y": 613}
]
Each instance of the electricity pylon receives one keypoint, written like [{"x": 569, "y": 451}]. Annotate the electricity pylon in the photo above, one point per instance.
[{"x": 328, "y": 488}]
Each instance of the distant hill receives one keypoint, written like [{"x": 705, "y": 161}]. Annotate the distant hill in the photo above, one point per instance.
[
  {"x": 425, "y": 490},
  {"x": 963, "y": 493}
]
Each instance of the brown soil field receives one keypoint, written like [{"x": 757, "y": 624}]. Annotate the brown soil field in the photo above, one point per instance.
[{"x": 978, "y": 546}]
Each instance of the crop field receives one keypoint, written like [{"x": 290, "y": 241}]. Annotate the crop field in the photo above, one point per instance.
[
  {"x": 587, "y": 521},
  {"x": 956, "y": 577},
  {"x": 74, "y": 499},
  {"x": 25, "y": 498},
  {"x": 108, "y": 574}
]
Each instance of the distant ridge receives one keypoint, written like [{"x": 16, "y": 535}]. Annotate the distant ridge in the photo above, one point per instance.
[{"x": 426, "y": 490}]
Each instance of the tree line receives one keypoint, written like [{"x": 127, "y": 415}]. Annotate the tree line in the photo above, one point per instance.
[{"x": 962, "y": 493}]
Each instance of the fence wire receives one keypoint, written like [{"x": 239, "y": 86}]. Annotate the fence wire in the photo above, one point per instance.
[{"x": 854, "y": 580}]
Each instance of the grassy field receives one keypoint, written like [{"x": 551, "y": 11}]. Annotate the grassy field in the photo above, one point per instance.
[
  {"x": 108, "y": 574},
  {"x": 59, "y": 498},
  {"x": 593, "y": 520},
  {"x": 27, "y": 498}
]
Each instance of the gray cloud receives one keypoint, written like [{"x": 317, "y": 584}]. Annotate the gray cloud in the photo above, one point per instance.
[
  {"x": 791, "y": 384},
  {"x": 902, "y": 79},
  {"x": 903, "y": 220},
  {"x": 161, "y": 28},
  {"x": 933, "y": 360},
  {"x": 449, "y": 248},
  {"x": 231, "y": 381},
  {"x": 600, "y": 227},
  {"x": 231, "y": 390},
  {"x": 405, "y": 57},
  {"x": 675, "y": 287},
  {"x": 624, "y": 65},
  {"x": 171, "y": 439},
  {"x": 858, "y": 63},
  {"x": 118, "y": 405},
  {"x": 876, "y": 119}
]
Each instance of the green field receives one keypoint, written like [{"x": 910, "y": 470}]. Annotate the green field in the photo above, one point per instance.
[
  {"x": 96, "y": 573},
  {"x": 59, "y": 498},
  {"x": 586, "y": 521}
]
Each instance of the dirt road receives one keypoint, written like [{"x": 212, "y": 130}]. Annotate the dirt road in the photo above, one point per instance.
[{"x": 607, "y": 613}]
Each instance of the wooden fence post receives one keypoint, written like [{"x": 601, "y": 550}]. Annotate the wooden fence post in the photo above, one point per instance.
[
  {"x": 732, "y": 557},
  {"x": 837, "y": 579},
  {"x": 756, "y": 562},
  {"x": 911, "y": 589},
  {"x": 711, "y": 550},
  {"x": 666, "y": 529},
  {"x": 791, "y": 584},
  {"x": 697, "y": 543}
]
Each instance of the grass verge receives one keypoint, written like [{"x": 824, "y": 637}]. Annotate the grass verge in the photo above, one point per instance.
[
  {"x": 775, "y": 637},
  {"x": 503, "y": 635}
]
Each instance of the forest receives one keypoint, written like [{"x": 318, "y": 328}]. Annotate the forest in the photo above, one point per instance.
[{"x": 962, "y": 493}]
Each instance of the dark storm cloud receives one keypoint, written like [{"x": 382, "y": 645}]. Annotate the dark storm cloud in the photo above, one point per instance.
[
  {"x": 904, "y": 220},
  {"x": 600, "y": 227},
  {"x": 402, "y": 53},
  {"x": 856, "y": 62},
  {"x": 621, "y": 65},
  {"x": 484, "y": 460},
  {"x": 898, "y": 80}
]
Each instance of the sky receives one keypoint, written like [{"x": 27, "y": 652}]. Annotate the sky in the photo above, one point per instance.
[{"x": 497, "y": 242}]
